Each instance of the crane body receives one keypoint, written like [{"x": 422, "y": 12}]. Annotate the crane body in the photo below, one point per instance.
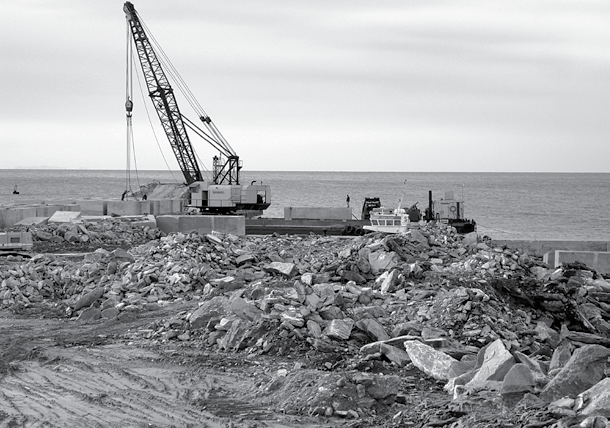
[{"x": 221, "y": 194}]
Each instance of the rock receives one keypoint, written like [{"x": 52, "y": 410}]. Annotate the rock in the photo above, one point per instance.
[
  {"x": 536, "y": 368},
  {"x": 373, "y": 329},
  {"x": 288, "y": 270},
  {"x": 496, "y": 361},
  {"x": 110, "y": 313},
  {"x": 381, "y": 261},
  {"x": 71, "y": 237},
  {"x": 212, "y": 309},
  {"x": 432, "y": 362},
  {"x": 339, "y": 329},
  {"x": 460, "y": 367},
  {"x": 233, "y": 340},
  {"x": 213, "y": 239},
  {"x": 384, "y": 388},
  {"x": 390, "y": 282},
  {"x": 244, "y": 258},
  {"x": 349, "y": 275},
  {"x": 89, "y": 298},
  {"x": 470, "y": 239},
  {"x": 518, "y": 379},
  {"x": 363, "y": 260},
  {"x": 293, "y": 320},
  {"x": 584, "y": 369},
  {"x": 332, "y": 313},
  {"x": 396, "y": 355},
  {"x": 122, "y": 255},
  {"x": 417, "y": 236},
  {"x": 90, "y": 314},
  {"x": 314, "y": 329},
  {"x": 597, "y": 399},
  {"x": 245, "y": 310},
  {"x": 561, "y": 356},
  {"x": 43, "y": 236}
]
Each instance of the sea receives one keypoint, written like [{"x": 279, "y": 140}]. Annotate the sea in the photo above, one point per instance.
[{"x": 531, "y": 206}]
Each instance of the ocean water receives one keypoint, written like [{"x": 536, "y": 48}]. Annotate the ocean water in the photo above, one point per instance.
[{"x": 570, "y": 206}]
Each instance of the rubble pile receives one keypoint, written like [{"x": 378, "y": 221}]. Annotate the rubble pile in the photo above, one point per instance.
[
  {"x": 482, "y": 320},
  {"x": 116, "y": 232}
]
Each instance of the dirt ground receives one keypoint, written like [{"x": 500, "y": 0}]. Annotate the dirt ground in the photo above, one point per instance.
[{"x": 60, "y": 373}]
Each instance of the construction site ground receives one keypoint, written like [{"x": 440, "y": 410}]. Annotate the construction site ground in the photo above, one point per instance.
[
  {"x": 61, "y": 372},
  {"x": 153, "y": 366}
]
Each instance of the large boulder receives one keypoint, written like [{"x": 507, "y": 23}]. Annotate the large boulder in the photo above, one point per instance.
[{"x": 584, "y": 369}]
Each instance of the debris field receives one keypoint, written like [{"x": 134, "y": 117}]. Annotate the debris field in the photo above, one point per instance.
[{"x": 424, "y": 329}]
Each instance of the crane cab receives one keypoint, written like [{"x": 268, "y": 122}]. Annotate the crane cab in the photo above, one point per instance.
[{"x": 223, "y": 198}]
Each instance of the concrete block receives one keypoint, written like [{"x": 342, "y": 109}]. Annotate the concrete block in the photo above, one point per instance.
[
  {"x": 70, "y": 207},
  {"x": 168, "y": 223},
  {"x": 2, "y": 215},
  {"x": 123, "y": 208},
  {"x": 46, "y": 210},
  {"x": 93, "y": 207},
  {"x": 319, "y": 213},
  {"x": 233, "y": 224},
  {"x": 161, "y": 206},
  {"x": 33, "y": 221},
  {"x": 65, "y": 217},
  {"x": 177, "y": 205},
  {"x": 202, "y": 224},
  {"x": 598, "y": 260},
  {"x": 166, "y": 206},
  {"x": 10, "y": 216}
]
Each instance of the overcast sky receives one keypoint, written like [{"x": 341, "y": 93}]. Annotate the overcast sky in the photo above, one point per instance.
[{"x": 324, "y": 85}]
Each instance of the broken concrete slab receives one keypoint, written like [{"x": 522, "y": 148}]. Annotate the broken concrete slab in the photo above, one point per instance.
[{"x": 65, "y": 217}]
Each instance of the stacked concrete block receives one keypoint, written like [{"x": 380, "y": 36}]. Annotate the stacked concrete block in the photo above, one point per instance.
[
  {"x": 161, "y": 206},
  {"x": 126, "y": 208},
  {"x": 10, "y": 216},
  {"x": 93, "y": 207}
]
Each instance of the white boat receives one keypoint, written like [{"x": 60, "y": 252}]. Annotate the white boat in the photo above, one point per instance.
[
  {"x": 393, "y": 220},
  {"x": 390, "y": 220}
]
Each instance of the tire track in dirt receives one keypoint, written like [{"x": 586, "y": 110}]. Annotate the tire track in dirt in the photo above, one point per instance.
[{"x": 103, "y": 386}]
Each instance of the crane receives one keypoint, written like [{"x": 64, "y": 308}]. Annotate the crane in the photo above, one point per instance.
[{"x": 223, "y": 193}]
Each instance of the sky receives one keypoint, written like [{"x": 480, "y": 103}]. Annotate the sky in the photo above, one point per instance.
[{"x": 317, "y": 85}]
